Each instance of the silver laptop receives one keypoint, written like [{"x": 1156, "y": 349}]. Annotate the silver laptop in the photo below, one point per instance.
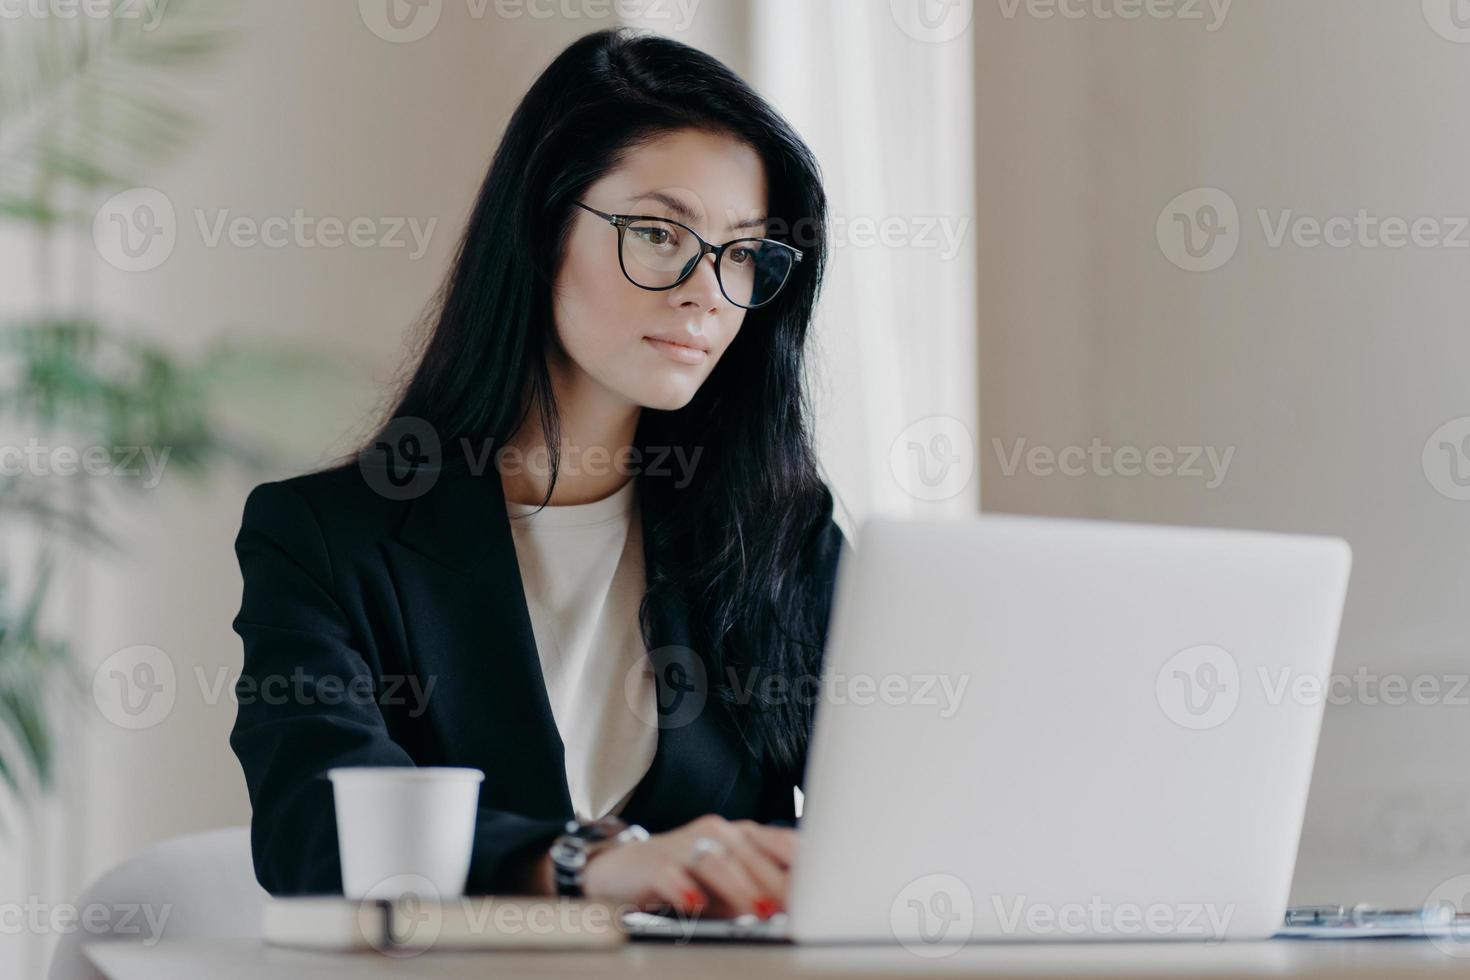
[{"x": 1051, "y": 730}]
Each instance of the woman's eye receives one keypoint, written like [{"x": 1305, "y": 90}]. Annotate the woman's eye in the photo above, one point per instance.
[
  {"x": 741, "y": 255},
  {"x": 655, "y": 236}
]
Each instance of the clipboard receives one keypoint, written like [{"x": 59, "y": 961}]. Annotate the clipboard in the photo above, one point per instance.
[{"x": 1371, "y": 922}]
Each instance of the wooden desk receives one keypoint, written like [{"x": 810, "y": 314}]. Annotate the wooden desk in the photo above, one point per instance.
[{"x": 244, "y": 959}]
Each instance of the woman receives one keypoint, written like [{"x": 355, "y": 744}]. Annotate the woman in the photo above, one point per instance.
[{"x": 590, "y": 554}]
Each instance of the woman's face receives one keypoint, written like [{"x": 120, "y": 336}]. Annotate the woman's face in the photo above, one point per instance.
[{"x": 645, "y": 348}]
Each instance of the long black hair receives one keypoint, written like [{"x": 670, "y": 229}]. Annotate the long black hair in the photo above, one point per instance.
[{"x": 733, "y": 543}]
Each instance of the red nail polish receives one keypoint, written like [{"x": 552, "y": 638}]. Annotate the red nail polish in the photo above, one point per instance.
[
  {"x": 765, "y": 907},
  {"x": 692, "y": 898}
]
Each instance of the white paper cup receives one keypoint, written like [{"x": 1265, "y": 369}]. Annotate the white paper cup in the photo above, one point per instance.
[{"x": 405, "y": 828}]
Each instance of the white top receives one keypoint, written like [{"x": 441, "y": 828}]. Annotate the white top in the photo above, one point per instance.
[{"x": 582, "y": 570}]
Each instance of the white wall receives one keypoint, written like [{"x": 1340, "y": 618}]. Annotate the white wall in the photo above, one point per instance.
[{"x": 1326, "y": 369}]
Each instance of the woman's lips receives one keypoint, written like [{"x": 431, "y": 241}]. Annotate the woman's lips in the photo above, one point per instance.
[{"x": 681, "y": 353}]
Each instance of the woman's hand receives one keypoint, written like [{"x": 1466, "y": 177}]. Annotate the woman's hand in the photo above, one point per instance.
[{"x": 743, "y": 871}]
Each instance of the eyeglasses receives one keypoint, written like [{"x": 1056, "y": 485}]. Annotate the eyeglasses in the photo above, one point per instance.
[{"x": 657, "y": 254}]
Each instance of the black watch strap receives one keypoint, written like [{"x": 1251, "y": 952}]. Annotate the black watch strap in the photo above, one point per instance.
[{"x": 571, "y": 851}]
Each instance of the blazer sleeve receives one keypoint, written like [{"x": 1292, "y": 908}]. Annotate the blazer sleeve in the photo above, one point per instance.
[{"x": 293, "y": 722}]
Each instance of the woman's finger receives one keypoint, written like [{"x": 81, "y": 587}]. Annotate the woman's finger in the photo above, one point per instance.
[
  {"x": 677, "y": 887},
  {"x": 777, "y": 843},
  {"x": 727, "y": 878},
  {"x": 770, "y": 877}
]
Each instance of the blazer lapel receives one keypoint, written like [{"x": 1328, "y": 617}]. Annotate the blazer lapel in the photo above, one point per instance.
[{"x": 465, "y": 615}]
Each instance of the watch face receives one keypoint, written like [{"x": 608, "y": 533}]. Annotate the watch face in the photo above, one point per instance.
[{"x": 568, "y": 854}]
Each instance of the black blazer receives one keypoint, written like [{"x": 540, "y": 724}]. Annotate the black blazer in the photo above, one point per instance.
[{"x": 354, "y": 604}]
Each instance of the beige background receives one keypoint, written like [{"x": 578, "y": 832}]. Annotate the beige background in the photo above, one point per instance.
[{"x": 1326, "y": 368}]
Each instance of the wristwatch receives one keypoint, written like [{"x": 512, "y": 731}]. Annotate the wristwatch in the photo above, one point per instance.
[{"x": 579, "y": 841}]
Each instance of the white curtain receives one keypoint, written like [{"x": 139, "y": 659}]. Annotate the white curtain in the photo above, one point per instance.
[
  {"x": 882, "y": 90},
  {"x": 888, "y": 108}
]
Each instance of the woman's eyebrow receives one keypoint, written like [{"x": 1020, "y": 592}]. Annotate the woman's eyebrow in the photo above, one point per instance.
[{"x": 682, "y": 211}]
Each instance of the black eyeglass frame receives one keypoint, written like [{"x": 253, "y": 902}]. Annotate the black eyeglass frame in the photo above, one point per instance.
[{"x": 622, "y": 221}]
